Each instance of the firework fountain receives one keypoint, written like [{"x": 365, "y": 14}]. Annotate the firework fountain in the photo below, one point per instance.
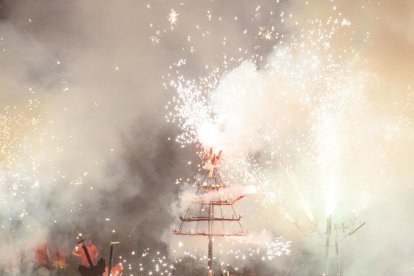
[{"x": 304, "y": 82}]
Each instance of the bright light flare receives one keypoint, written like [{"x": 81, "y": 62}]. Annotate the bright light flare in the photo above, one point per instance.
[
  {"x": 250, "y": 190},
  {"x": 210, "y": 137}
]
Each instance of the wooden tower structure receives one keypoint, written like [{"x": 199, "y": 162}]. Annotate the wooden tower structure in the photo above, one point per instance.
[{"x": 211, "y": 212}]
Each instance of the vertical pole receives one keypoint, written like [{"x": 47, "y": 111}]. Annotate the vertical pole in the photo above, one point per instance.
[
  {"x": 338, "y": 261},
  {"x": 210, "y": 253},
  {"x": 85, "y": 249},
  {"x": 58, "y": 257},
  {"x": 328, "y": 235},
  {"x": 110, "y": 259},
  {"x": 210, "y": 236}
]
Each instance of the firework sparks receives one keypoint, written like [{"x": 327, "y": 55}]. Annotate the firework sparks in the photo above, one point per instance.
[
  {"x": 277, "y": 91},
  {"x": 266, "y": 33},
  {"x": 156, "y": 38},
  {"x": 173, "y": 18},
  {"x": 240, "y": 110}
]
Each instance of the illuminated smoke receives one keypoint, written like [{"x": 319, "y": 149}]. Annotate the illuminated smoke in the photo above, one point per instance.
[{"x": 312, "y": 102}]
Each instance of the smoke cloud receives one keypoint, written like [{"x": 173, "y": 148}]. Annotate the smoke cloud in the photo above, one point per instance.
[{"x": 300, "y": 102}]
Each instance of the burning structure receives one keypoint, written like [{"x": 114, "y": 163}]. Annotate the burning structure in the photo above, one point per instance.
[{"x": 212, "y": 208}]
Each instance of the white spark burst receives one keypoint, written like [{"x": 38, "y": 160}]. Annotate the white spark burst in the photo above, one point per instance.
[
  {"x": 156, "y": 38},
  {"x": 265, "y": 33},
  {"x": 173, "y": 17}
]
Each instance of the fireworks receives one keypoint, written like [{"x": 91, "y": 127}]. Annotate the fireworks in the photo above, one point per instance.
[
  {"x": 240, "y": 108},
  {"x": 173, "y": 17},
  {"x": 239, "y": 251},
  {"x": 287, "y": 116},
  {"x": 266, "y": 33},
  {"x": 278, "y": 87}
]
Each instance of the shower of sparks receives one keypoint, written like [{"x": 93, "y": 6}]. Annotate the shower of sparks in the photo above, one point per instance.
[
  {"x": 241, "y": 252},
  {"x": 18, "y": 167},
  {"x": 265, "y": 111},
  {"x": 153, "y": 262},
  {"x": 257, "y": 126},
  {"x": 25, "y": 137}
]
